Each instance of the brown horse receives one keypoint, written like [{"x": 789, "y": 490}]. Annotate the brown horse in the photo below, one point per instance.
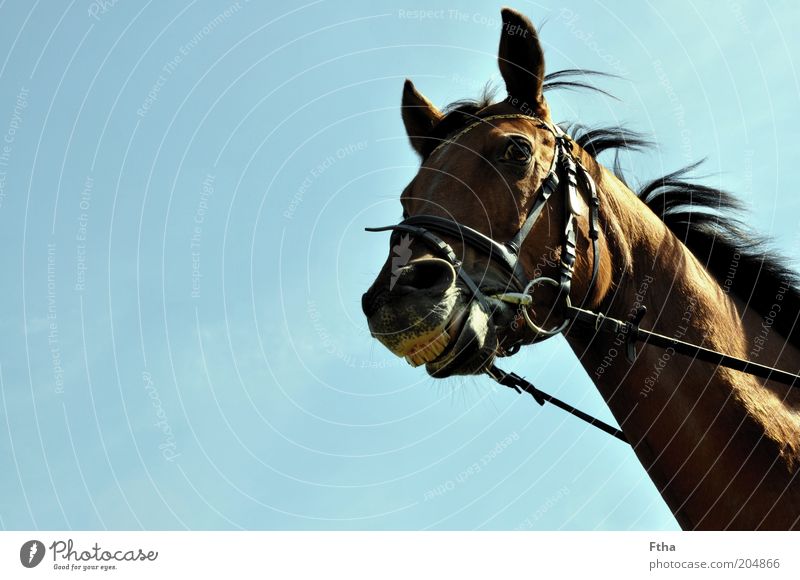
[{"x": 722, "y": 447}]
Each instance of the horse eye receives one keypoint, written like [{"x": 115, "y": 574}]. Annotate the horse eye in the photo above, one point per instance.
[{"x": 518, "y": 150}]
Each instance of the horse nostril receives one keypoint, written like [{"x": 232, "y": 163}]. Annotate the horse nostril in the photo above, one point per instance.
[{"x": 428, "y": 274}]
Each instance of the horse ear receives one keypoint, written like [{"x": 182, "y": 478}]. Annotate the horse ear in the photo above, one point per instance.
[
  {"x": 419, "y": 116},
  {"x": 521, "y": 60}
]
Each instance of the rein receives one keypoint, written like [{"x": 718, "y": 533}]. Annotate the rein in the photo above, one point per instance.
[{"x": 564, "y": 175}]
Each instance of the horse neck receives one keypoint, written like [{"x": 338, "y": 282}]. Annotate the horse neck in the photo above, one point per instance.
[{"x": 718, "y": 444}]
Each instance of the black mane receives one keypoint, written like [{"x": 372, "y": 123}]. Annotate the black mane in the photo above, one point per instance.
[
  {"x": 705, "y": 219},
  {"x": 745, "y": 264},
  {"x": 457, "y": 115}
]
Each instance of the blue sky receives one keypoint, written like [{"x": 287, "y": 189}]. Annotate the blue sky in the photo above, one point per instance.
[{"x": 183, "y": 192}]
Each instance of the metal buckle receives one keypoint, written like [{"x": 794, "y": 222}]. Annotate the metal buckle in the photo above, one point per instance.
[{"x": 519, "y": 298}]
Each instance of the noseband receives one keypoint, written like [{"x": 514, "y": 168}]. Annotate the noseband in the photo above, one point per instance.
[{"x": 564, "y": 173}]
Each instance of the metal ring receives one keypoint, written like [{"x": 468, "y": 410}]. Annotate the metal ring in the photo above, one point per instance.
[{"x": 536, "y": 328}]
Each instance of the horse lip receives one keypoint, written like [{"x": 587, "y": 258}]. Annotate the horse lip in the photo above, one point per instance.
[
  {"x": 457, "y": 328},
  {"x": 455, "y": 325},
  {"x": 452, "y": 328}
]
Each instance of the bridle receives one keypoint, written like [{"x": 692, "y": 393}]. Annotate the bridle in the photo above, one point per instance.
[{"x": 564, "y": 175}]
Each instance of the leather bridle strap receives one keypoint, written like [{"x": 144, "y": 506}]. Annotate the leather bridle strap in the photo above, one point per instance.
[
  {"x": 516, "y": 382},
  {"x": 444, "y": 250},
  {"x": 634, "y": 334},
  {"x": 594, "y": 226},
  {"x": 548, "y": 187}
]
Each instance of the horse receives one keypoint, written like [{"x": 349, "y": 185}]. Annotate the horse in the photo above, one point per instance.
[{"x": 483, "y": 264}]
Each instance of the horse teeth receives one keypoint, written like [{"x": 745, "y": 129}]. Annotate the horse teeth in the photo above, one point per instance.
[{"x": 428, "y": 351}]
